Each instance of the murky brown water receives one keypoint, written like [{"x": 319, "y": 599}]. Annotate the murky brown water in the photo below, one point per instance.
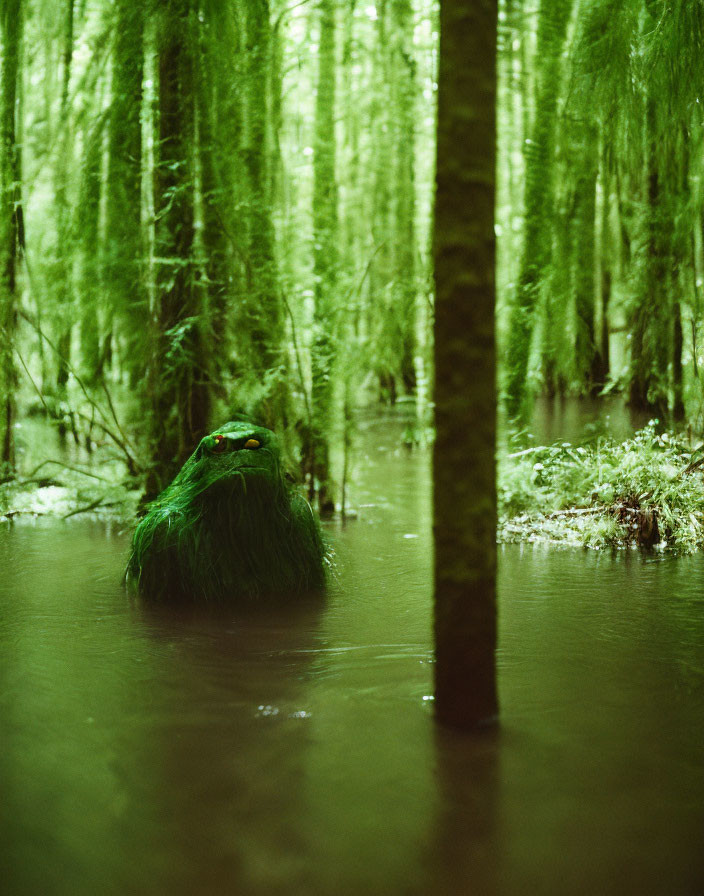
[{"x": 158, "y": 753}]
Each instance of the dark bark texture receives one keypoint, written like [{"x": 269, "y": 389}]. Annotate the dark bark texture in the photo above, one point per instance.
[{"x": 464, "y": 474}]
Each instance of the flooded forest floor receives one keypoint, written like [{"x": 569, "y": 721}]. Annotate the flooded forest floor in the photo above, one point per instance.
[
  {"x": 176, "y": 752},
  {"x": 587, "y": 477}
]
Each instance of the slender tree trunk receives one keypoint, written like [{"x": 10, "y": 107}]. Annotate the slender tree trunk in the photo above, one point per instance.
[
  {"x": 405, "y": 190},
  {"x": 10, "y": 221},
  {"x": 352, "y": 230},
  {"x": 263, "y": 312},
  {"x": 380, "y": 308},
  {"x": 601, "y": 366},
  {"x": 556, "y": 354},
  {"x": 464, "y": 472},
  {"x": 90, "y": 253},
  {"x": 64, "y": 230},
  {"x": 603, "y": 371},
  {"x": 651, "y": 344},
  {"x": 678, "y": 409},
  {"x": 325, "y": 259},
  {"x": 587, "y": 170},
  {"x": 514, "y": 77},
  {"x": 220, "y": 125},
  {"x": 539, "y": 199},
  {"x": 124, "y": 245}
]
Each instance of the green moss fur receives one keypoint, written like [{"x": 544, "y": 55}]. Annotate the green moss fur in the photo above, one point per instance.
[{"x": 229, "y": 528}]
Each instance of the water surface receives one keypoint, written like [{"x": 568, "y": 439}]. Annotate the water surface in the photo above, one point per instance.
[{"x": 295, "y": 752}]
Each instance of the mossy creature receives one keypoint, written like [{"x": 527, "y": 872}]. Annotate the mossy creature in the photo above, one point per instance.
[{"x": 229, "y": 528}]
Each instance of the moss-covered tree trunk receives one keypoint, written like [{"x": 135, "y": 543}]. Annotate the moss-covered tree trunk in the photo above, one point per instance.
[
  {"x": 262, "y": 319},
  {"x": 64, "y": 228},
  {"x": 652, "y": 332},
  {"x": 557, "y": 350},
  {"x": 539, "y": 198},
  {"x": 601, "y": 367},
  {"x": 464, "y": 476},
  {"x": 219, "y": 123},
  {"x": 179, "y": 380},
  {"x": 124, "y": 244},
  {"x": 91, "y": 257},
  {"x": 678, "y": 408},
  {"x": 584, "y": 260},
  {"x": 380, "y": 310},
  {"x": 325, "y": 260},
  {"x": 10, "y": 222},
  {"x": 405, "y": 249}
]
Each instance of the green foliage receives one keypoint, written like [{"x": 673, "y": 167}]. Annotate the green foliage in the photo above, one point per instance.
[
  {"x": 600, "y": 494},
  {"x": 229, "y": 528},
  {"x": 603, "y": 135},
  {"x": 199, "y": 185}
]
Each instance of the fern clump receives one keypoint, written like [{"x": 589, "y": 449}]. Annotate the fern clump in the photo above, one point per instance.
[
  {"x": 646, "y": 491},
  {"x": 229, "y": 528}
]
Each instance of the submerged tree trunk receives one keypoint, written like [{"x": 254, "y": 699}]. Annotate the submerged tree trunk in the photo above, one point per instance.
[
  {"x": 10, "y": 222},
  {"x": 464, "y": 475}
]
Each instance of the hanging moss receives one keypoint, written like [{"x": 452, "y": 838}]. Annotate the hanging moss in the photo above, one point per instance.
[{"x": 229, "y": 528}]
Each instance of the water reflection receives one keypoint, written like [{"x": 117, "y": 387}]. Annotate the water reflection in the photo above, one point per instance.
[
  {"x": 580, "y": 420},
  {"x": 225, "y": 772},
  {"x": 464, "y": 836},
  {"x": 173, "y": 752}
]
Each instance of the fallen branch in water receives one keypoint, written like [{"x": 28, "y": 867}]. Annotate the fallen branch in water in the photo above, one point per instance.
[
  {"x": 99, "y": 502},
  {"x": 10, "y": 514},
  {"x": 66, "y": 467},
  {"x": 574, "y": 511}
]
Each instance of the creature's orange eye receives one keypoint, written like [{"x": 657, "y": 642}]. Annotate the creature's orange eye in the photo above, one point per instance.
[
  {"x": 220, "y": 444},
  {"x": 251, "y": 443}
]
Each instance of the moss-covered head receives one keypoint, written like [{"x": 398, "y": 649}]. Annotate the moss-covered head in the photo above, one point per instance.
[{"x": 229, "y": 528}]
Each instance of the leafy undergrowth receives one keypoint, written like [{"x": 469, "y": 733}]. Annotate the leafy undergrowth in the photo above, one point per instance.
[{"x": 647, "y": 491}]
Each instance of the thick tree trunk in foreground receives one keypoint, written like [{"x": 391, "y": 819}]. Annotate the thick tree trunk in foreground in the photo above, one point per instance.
[{"x": 464, "y": 473}]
